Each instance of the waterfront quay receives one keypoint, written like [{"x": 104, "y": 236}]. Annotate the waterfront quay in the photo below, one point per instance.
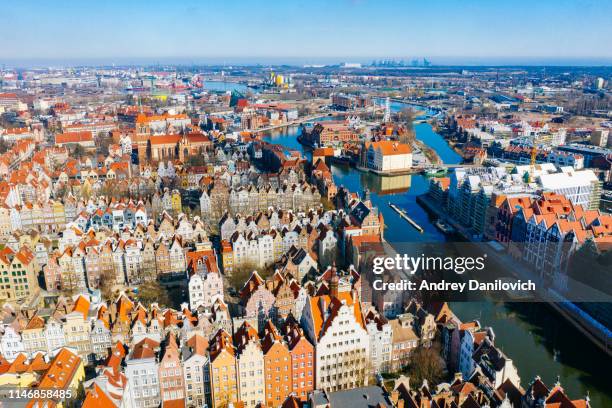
[
  {"x": 540, "y": 340},
  {"x": 591, "y": 329}
]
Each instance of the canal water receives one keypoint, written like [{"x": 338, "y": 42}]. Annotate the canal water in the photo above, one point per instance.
[
  {"x": 538, "y": 340},
  {"x": 222, "y": 86}
]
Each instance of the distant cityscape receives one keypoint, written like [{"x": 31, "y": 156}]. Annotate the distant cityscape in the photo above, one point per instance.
[
  {"x": 189, "y": 236},
  {"x": 322, "y": 204}
]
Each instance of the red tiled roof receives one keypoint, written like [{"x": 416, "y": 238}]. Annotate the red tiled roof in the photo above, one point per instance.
[{"x": 74, "y": 137}]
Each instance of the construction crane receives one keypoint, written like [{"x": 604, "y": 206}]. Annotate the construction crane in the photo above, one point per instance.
[
  {"x": 534, "y": 153},
  {"x": 529, "y": 174}
]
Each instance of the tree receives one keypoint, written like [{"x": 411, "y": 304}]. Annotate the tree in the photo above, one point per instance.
[
  {"x": 195, "y": 160},
  {"x": 104, "y": 140},
  {"x": 105, "y": 285},
  {"x": 78, "y": 397},
  {"x": 240, "y": 275},
  {"x": 78, "y": 151},
  {"x": 406, "y": 119},
  {"x": 153, "y": 292},
  {"x": 148, "y": 151},
  {"x": 4, "y": 145},
  {"x": 426, "y": 363}
]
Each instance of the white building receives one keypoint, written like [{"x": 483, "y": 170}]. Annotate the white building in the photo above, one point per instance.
[
  {"x": 340, "y": 337},
  {"x": 388, "y": 156},
  {"x": 565, "y": 159},
  {"x": 250, "y": 363},
  {"x": 204, "y": 289},
  {"x": 380, "y": 333},
  {"x": 100, "y": 338},
  {"x": 495, "y": 364},
  {"x": 580, "y": 187},
  {"x": 142, "y": 371},
  {"x": 328, "y": 249},
  {"x": 126, "y": 144},
  {"x": 54, "y": 333},
  {"x": 11, "y": 344}
]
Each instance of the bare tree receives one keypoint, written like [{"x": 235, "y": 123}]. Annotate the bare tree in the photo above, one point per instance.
[{"x": 426, "y": 363}]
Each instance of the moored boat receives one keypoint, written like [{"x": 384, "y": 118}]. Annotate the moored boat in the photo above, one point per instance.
[{"x": 444, "y": 227}]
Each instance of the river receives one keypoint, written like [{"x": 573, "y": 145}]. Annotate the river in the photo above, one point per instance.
[
  {"x": 221, "y": 86},
  {"x": 538, "y": 340}
]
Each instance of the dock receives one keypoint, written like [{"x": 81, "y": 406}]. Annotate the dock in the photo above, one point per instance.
[{"x": 402, "y": 214}]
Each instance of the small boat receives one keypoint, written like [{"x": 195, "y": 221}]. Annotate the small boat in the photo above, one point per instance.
[
  {"x": 444, "y": 227},
  {"x": 344, "y": 160},
  {"x": 435, "y": 172}
]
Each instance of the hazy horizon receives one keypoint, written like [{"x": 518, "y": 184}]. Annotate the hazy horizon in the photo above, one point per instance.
[
  {"x": 38, "y": 63},
  {"x": 447, "y": 32}
]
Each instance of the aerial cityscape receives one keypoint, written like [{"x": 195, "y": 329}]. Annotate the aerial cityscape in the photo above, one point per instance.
[{"x": 305, "y": 205}]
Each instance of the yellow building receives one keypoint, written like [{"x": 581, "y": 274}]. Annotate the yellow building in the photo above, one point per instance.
[
  {"x": 76, "y": 328},
  {"x": 66, "y": 372},
  {"x": 224, "y": 384},
  {"x": 6, "y": 228},
  {"x": 59, "y": 215},
  {"x": 227, "y": 257},
  {"x": 177, "y": 205},
  {"x": 22, "y": 372},
  {"x": 17, "y": 274}
]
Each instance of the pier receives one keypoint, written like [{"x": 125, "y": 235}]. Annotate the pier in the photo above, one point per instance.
[{"x": 402, "y": 214}]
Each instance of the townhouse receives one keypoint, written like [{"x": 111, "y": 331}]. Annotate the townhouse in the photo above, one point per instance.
[
  {"x": 196, "y": 371},
  {"x": 334, "y": 324},
  {"x": 142, "y": 370},
  {"x": 250, "y": 363},
  {"x": 223, "y": 370}
]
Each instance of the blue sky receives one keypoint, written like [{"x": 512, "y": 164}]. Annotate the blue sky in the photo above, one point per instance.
[{"x": 483, "y": 30}]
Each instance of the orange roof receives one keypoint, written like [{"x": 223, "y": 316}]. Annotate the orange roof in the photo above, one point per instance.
[
  {"x": 323, "y": 151},
  {"x": 25, "y": 256},
  {"x": 390, "y": 148},
  {"x": 124, "y": 307},
  {"x": 198, "y": 138},
  {"x": 245, "y": 334},
  {"x": 39, "y": 363},
  {"x": 198, "y": 343},
  {"x": 36, "y": 322},
  {"x": 362, "y": 239},
  {"x": 177, "y": 403},
  {"x": 82, "y": 306},
  {"x": 74, "y": 137},
  {"x": 221, "y": 342},
  {"x": 165, "y": 139},
  {"x": 251, "y": 285},
  {"x": 206, "y": 256},
  {"x": 333, "y": 304},
  {"x": 145, "y": 349},
  {"x": 443, "y": 181},
  {"x": 62, "y": 370},
  {"x": 19, "y": 365},
  {"x": 97, "y": 398}
]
